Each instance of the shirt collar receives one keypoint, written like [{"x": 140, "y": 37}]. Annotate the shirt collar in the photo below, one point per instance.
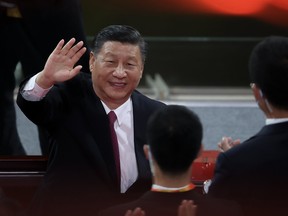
[
  {"x": 270, "y": 121},
  {"x": 160, "y": 188},
  {"x": 120, "y": 111}
]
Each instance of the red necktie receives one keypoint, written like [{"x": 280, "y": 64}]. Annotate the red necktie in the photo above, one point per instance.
[{"x": 112, "y": 118}]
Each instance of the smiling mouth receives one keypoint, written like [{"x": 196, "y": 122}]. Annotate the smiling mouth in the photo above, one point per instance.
[{"x": 118, "y": 85}]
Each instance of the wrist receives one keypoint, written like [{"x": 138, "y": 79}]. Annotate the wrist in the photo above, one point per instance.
[{"x": 43, "y": 81}]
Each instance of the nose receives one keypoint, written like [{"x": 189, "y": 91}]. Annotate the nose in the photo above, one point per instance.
[{"x": 120, "y": 71}]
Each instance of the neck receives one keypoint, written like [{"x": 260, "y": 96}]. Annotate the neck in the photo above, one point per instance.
[
  {"x": 110, "y": 101},
  {"x": 277, "y": 113},
  {"x": 172, "y": 181}
]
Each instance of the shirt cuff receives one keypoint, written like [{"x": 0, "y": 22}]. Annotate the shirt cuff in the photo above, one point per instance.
[{"x": 32, "y": 91}]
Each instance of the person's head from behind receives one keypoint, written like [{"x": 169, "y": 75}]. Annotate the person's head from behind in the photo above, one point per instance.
[
  {"x": 174, "y": 136},
  {"x": 268, "y": 67},
  {"x": 117, "y": 62}
]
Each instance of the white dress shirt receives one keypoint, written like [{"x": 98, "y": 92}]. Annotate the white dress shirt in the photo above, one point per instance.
[{"x": 125, "y": 135}]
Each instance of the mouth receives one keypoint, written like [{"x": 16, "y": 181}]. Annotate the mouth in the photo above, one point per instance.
[{"x": 118, "y": 84}]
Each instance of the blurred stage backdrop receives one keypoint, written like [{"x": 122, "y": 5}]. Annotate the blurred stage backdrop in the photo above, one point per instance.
[{"x": 194, "y": 42}]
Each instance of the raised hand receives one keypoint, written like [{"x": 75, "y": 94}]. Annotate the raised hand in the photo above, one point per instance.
[
  {"x": 59, "y": 66},
  {"x": 187, "y": 208}
]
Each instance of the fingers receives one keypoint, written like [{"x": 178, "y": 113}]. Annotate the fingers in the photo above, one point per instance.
[
  {"x": 224, "y": 144},
  {"x": 78, "y": 53},
  {"x": 58, "y": 47},
  {"x": 236, "y": 142},
  {"x": 75, "y": 49},
  {"x": 75, "y": 71},
  {"x": 187, "y": 208},
  {"x": 74, "y": 52},
  {"x": 136, "y": 212},
  {"x": 227, "y": 142},
  {"x": 128, "y": 213},
  {"x": 65, "y": 50}
]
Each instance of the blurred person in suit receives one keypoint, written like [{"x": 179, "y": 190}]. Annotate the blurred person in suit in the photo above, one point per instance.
[
  {"x": 86, "y": 171},
  {"x": 254, "y": 172},
  {"x": 29, "y": 31},
  {"x": 174, "y": 136}
]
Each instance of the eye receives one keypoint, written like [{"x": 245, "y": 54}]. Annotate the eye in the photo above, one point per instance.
[
  {"x": 131, "y": 64},
  {"x": 110, "y": 62}
]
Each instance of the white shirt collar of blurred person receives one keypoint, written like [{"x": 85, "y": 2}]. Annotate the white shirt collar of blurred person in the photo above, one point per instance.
[{"x": 270, "y": 121}]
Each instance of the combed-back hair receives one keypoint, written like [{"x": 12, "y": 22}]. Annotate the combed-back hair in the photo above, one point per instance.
[{"x": 122, "y": 34}]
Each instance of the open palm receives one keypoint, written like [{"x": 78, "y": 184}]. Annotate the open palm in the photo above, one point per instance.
[{"x": 60, "y": 64}]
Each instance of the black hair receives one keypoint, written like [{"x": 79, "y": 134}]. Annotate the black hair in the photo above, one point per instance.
[
  {"x": 174, "y": 135},
  {"x": 268, "y": 67},
  {"x": 120, "y": 33}
]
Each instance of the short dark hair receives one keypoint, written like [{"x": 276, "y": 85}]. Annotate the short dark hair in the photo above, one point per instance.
[
  {"x": 120, "y": 33},
  {"x": 268, "y": 67},
  {"x": 174, "y": 134}
]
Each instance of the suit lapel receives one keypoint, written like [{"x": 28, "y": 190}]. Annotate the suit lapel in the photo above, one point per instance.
[
  {"x": 98, "y": 129},
  {"x": 140, "y": 122}
]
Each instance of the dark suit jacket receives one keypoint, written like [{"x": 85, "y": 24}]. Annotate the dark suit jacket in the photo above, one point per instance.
[
  {"x": 255, "y": 173},
  {"x": 81, "y": 165},
  {"x": 166, "y": 204}
]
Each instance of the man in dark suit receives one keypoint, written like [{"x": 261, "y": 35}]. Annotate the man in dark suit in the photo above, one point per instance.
[
  {"x": 174, "y": 136},
  {"x": 29, "y": 31},
  {"x": 82, "y": 173},
  {"x": 254, "y": 173}
]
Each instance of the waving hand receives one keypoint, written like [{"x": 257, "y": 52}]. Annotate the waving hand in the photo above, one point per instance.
[{"x": 59, "y": 66}]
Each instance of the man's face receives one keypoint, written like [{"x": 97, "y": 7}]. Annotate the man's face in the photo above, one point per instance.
[{"x": 116, "y": 72}]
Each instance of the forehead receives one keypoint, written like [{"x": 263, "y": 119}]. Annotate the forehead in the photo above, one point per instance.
[{"x": 115, "y": 48}]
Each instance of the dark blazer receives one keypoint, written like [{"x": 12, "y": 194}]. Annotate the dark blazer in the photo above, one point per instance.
[
  {"x": 255, "y": 173},
  {"x": 166, "y": 204},
  {"x": 81, "y": 165}
]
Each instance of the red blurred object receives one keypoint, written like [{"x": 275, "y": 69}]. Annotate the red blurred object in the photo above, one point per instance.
[
  {"x": 234, "y": 7},
  {"x": 271, "y": 11},
  {"x": 203, "y": 167}
]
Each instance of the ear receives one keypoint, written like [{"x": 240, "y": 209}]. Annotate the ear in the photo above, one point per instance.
[
  {"x": 258, "y": 95},
  {"x": 200, "y": 150},
  {"x": 146, "y": 150},
  {"x": 141, "y": 71},
  {"x": 91, "y": 61},
  {"x": 262, "y": 101}
]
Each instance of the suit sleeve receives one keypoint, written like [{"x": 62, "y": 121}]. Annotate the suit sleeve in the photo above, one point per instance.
[{"x": 221, "y": 182}]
